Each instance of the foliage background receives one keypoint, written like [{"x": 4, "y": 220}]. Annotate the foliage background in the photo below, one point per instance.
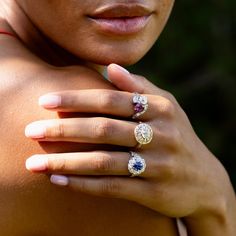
[{"x": 195, "y": 60}]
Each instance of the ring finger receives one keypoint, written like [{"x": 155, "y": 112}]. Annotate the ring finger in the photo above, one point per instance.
[{"x": 85, "y": 163}]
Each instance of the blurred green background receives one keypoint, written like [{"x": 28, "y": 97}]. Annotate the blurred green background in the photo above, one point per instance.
[{"x": 195, "y": 59}]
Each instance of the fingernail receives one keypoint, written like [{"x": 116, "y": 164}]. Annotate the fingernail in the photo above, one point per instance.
[
  {"x": 50, "y": 101},
  {"x": 120, "y": 68},
  {"x": 59, "y": 180},
  {"x": 35, "y": 130},
  {"x": 36, "y": 163}
]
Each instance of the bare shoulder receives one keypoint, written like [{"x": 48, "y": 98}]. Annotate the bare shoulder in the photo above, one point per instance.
[
  {"x": 24, "y": 78},
  {"x": 29, "y": 203}
]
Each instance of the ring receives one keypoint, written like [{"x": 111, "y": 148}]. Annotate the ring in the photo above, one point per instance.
[
  {"x": 140, "y": 105},
  {"x": 143, "y": 134},
  {"x": 136, "y": 164}
]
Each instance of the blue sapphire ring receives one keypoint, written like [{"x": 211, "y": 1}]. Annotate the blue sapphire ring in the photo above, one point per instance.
[{"x": 136, "y": 164}]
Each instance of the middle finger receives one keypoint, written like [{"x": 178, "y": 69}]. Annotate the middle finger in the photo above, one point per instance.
[{"x": 84, "y": 130}]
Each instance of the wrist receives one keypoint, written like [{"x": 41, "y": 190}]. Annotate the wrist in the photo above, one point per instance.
[{"x": 217, "y": 218}]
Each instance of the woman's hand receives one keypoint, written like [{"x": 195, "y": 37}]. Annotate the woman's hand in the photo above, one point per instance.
[{"x": 182, "y": 178}]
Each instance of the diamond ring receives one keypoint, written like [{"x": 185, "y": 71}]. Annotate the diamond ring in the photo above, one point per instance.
[
  {"x": 143, "y": 134},
  {"x": 136, "y": 164},
  {"x": 140, "y": 105}
]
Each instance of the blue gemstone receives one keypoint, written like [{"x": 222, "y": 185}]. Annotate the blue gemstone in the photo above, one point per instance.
[{"x": 138, "y": 166}]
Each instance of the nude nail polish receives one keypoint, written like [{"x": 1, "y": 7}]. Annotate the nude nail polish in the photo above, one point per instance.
[
  {"x": 59, "y": 180},
  {"x": 35, "y": 130},
  {"x": 50, "y": 101},
  {"x": 120, "y": 68},
  {"x": 36, "y": 163}
]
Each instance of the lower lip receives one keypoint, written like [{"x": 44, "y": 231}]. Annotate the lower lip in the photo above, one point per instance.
[{"x": 121, "y": 26}]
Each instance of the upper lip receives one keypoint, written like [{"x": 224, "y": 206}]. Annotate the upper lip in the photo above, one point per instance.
[{"x": 121, "y": 11}]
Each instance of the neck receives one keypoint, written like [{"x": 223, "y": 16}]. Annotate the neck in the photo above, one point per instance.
[{"x": 18, "y": 22}]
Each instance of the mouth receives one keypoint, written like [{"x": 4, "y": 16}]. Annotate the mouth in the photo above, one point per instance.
[{"x": 121, "y": 19}]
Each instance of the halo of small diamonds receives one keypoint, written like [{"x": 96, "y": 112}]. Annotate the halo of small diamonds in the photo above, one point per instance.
[
  {"x": 136, "y": 164},
  {"x": 143, "y": 133}
]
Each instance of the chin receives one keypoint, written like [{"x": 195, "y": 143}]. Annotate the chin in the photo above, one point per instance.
[
  {"x": 105, "y": 56},
  {"x": 124, "y": 60}
]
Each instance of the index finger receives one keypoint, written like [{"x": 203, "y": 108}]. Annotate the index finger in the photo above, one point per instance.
[
  {"x": 126, "y": 81},
  {"x": 102, "y": 101}
]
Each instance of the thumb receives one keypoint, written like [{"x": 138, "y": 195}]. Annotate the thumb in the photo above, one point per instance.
[{"x": 126, "y": 81}]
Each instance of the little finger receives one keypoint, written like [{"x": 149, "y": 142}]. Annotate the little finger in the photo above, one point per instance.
[
  {"x": 115, "y": 187},
  {"x": 82, "y": 163}
]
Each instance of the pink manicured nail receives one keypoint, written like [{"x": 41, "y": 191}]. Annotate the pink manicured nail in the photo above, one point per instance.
[
  {"x": 50, "y": 101},
  {"x": 36, "y": 163},
  {"x": 122, "y": 69},
  {"x": 59, "y": 180},
  {"x": 35, "y": 130}
]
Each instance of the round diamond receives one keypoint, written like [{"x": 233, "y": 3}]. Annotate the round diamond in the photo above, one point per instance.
[
  {"x": 140, "y": 99},
  {"x": 143, "y": 133}
]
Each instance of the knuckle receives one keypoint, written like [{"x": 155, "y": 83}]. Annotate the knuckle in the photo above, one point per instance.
[
  {"x": 57, "y": 164},
  {"x": 142, "y": 80},
  {"x": 169, "y": 169},
  {"x": 175, "y": 137},
  {"x": 82, "y": 185},
  {"x": 110, "y": 187},
  {"x": 57, "y": 131},
  {"x": 108, "y": 100},
  {"x": 61, "y": 130},
  {"x": 103, "y": 163},
  {"x": 168, "y": 108},
  {"x": 70, "y": 99},
  {"x": 170, "y": 96},
  {"x": 103, "y": 129},
  {"x": 165, "y": 169},
  {"x": 170, "y": 137}
]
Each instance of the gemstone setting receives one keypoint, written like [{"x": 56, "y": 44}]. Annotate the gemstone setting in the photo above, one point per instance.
[
  {"x": 143, "y": 133},
  {"x": 140, "y": 103},
  {"x": 136, "y": 165}
]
